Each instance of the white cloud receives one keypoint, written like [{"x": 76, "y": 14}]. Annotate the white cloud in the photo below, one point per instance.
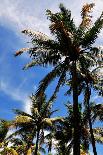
[
  {"x": 16, "y": 94},
  {"x": 22, "y": 14},
  {"x": 27, "y": 107}
]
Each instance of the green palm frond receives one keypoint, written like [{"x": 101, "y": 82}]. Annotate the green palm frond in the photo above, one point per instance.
[
  {"x": 33, "y": 63},
  {"x": 56, "y": 72},
  {"x": 54, "y": 111},
  {"x": 92, "y": 34},
  {"x": 4, "y": 128},
  {"x": 65, "y": 16},
  {"x": 20, "y": 112},
  {"x": 97, "y": 112}
]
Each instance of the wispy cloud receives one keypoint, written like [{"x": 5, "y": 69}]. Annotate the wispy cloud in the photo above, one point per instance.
[
  {"x": 23, "y": 14},
  {"x": 16, "y": 94}
]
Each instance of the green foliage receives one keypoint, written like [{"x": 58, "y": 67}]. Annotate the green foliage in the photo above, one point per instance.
[
  {"x": 70, "y": 52},
  {"x": 64, "y": 131},
  {"x": 4, "y": 127},
  {"x": 28, "y": 125}
]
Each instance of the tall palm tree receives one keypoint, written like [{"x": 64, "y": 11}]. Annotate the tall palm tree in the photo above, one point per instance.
[
  {"x": 64, "y": 132},
  {"x": 33, "y": 125},
  {"x": 87, "y": 104},
  {"x": 72, "y": 45},
  {"x": 85, "y": 86}
]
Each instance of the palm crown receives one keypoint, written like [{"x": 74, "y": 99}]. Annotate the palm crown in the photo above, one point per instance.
[{"x": 30, "y": 126}]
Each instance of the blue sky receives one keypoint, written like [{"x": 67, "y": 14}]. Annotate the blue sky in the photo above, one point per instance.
[{"x": 15, "y": 84}]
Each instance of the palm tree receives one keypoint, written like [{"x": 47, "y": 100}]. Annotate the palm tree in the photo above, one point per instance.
[
  {"x": 87, "y": 100},
  {"x": 85, "y": 86},
  {"x": 22, "y": 138},
  {"x": 4, "y": 129},
  {"x": 33, "y": 125},
  {"x": 64, "y": 132},
  {"x": 50, "y": 138},
  {"x": 20, "y": 145},
  {"x": 72, "y": 46}
]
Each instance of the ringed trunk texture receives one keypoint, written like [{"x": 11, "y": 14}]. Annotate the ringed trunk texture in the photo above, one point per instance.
[
  {"x": 90, "y": 122},
  {"x": 76, "y": 113}
]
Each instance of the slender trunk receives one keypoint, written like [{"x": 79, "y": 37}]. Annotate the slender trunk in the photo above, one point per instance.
[
  {"x": 76, "y": 114},
  {"x": 37, "y": 142},
  {"x": 90, "y": 122}
]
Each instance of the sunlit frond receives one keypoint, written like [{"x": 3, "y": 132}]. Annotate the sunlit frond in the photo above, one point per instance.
[
  {"x": 22, "y": 119},
  {"x": 86, "y": 18}
]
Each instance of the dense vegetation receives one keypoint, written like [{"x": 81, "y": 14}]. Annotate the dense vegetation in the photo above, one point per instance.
[{"x": 76, "y": 62}]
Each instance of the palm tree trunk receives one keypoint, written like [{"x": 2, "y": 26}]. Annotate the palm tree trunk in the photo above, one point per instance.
[
  {"x": 37, "y": 142},
  {"x": 76, "y": 114},
  {"x": 90, "y": 122}
]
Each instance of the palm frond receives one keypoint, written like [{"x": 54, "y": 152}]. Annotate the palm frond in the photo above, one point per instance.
[
  {"x": 57, "y": 71},
  {"x": 20, "y": 112},
  {"x": 61, "y": 81},
  {"x": 86, "y": 18},
  {"x": 37, "y": 35},
  {"x": 22, "y": 119},
  {"x": 92, "y": 34}
]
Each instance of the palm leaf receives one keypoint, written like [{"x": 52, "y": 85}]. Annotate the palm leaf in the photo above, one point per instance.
[{"x": 92, "y": 34}]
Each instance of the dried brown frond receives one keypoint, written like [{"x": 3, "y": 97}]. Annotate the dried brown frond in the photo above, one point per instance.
[
  {"x": 21, "y": 51},
  {"x": 86, "y": 17},
  {"x": 60, "y": 26}
]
